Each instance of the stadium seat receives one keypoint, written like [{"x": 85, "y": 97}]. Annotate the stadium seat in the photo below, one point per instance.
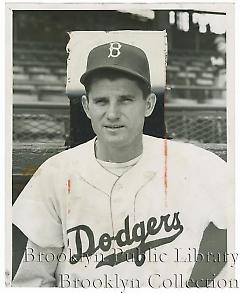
[
  {"x": 204, "y": 82},
  {"x": 20, "y": 76},
  {"x": 209, "y": 75},
  {"x": 173, "y": 68},
  {"x": 46, "y": 78},
  {"x": 198, "y": 63},
  {"x": 24, "y": 98},
  {"x": 39, "y": 70},
  {"x": 23, "y": 87},
  {"x": 54, "y": 98},
  {"x": 193, "y": 68},
  {"x": 18, "y": 69}
]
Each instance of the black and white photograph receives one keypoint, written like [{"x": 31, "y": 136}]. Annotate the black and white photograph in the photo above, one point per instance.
[{"x": 121, "y": 145}]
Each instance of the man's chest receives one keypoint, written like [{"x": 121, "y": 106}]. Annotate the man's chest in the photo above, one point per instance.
[{"x": 132, "y": 220}]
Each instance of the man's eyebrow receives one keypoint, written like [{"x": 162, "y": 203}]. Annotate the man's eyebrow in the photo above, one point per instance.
[
  {"x": 128, "y": 96},
  {"x": 96, "y": 98},
  {"x": 99, "y": 97}
]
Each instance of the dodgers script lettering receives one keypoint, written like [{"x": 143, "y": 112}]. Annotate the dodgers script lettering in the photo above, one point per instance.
[{"x": 125, "y": 237}]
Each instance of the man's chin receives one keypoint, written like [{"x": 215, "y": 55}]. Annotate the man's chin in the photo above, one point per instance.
[{"x": 115, "y": 141}]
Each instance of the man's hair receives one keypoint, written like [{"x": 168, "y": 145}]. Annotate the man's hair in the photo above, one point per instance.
[{"x": 112, "y": 74}]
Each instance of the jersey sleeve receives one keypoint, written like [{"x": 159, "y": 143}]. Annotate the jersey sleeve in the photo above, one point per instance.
[
  {"x": 35, "y": 210},
  {"x": 36, "y": 273},
  {"x": 218, "y": 186}
]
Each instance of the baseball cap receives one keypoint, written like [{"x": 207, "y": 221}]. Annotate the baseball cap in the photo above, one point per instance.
[{"x": 118, "y": 56}]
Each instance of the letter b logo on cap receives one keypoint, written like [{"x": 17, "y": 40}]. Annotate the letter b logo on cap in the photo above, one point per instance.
[
  {"x": 116, "y": 55},
  {"x": 114, "y": 49}
]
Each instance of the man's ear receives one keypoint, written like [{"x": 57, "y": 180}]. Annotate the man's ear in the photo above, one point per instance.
[
  {"x": 85, "y": 104},
  {"x": 150, "y": 104}
]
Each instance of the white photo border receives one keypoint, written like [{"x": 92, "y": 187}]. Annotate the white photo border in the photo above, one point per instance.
[{"x": 6, "y": 116}]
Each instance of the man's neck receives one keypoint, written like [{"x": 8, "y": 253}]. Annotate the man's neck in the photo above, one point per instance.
[{"x": 117, "y": 154}]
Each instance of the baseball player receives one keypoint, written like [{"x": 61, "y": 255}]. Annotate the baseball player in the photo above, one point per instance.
[{"x": 124, "y": 209}]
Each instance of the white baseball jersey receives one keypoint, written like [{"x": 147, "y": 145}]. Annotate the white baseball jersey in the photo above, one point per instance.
[{"x": 160, "y": 207}]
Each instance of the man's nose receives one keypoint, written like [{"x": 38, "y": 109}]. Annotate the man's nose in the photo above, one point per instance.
[{"x": 113, "y": 112}]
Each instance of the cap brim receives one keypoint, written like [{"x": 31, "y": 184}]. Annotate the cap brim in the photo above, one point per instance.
[{"x": 85, "y": 76}]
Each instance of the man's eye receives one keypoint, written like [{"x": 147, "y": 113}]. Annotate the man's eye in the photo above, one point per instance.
[
  {"x": 127, "y": 100},
  {"x": 100, "y": 101}
]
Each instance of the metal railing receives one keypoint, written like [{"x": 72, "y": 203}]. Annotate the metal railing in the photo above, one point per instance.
[
  {"x": 40, "y": 122},
  {"x": 198, "y": 123}
]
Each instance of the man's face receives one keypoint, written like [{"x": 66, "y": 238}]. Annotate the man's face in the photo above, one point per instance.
[{"x": 117, "y": 111}]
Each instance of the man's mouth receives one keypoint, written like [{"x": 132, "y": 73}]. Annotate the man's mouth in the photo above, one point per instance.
[{"x": 114, "y": 126}]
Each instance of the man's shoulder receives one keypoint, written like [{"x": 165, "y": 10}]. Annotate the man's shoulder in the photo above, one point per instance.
[
  {"x": 177, "y": 150},
  {"x": 68, "y": 157}
]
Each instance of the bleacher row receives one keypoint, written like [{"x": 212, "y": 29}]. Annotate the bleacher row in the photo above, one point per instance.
[
  {"x": 39, "y": 76},
  {"x": 190, "y": 72}
]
